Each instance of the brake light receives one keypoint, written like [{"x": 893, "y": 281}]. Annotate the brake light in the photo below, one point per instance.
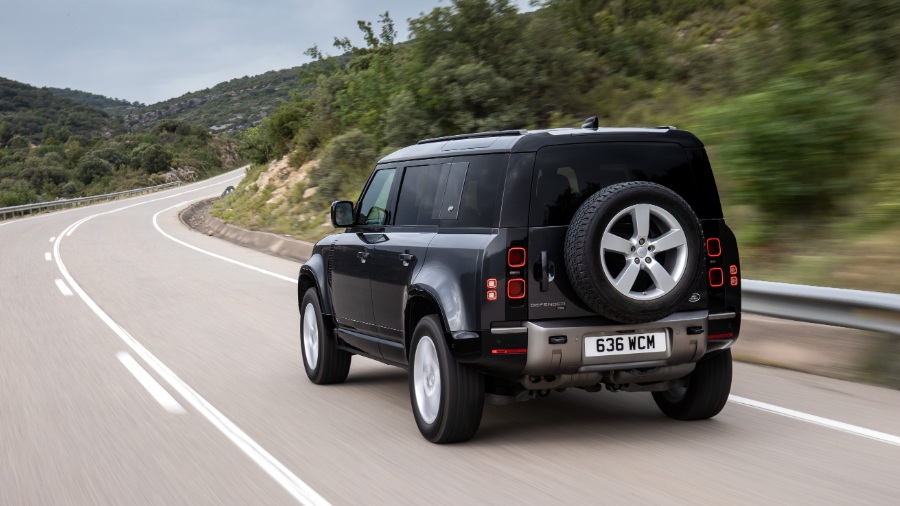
[
  {"x": 713, "y": 247},
  {"x": 515, "y": 257},
  {"x": 716, "y": 277},
  {"x": 509, "y": 351},
  {"x": 515, "y": 288}
]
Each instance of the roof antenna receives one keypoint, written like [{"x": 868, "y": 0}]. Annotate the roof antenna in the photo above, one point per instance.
[{"x": 592, "y": 123}]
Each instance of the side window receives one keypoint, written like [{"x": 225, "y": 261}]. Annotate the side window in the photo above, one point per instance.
[
  {"x": 417, "y": 195},
  {"x": 373, "y": 204},
  {"x": 481, "y": 191}
]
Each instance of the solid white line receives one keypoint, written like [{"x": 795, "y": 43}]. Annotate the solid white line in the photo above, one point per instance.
[
  {"x": 214, "y": 255},
  {"x": 63, "y": 288},
  {"x": 302, "y": 492},
  {"x": 818, "y": 420},
  {"x": 48, "y": 256},
  {"x": 156, "y": 390}
]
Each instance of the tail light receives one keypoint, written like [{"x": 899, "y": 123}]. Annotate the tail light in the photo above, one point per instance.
[
  {"x": 716, "y": 277},
  {"x": 515, "y": 288},
  {"x": 713, "y": 247},
  {"x": 515, "y": 257}
]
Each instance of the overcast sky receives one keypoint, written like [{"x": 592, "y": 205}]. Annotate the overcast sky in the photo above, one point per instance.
[{"x": 153, "y": 50}]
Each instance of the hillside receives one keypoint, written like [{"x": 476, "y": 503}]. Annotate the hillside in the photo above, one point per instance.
[
  {"x": 228, "y": 107},
  {"x": 111, "y": 106},
  {"x": 796, "y": 100},
  {"x": 33, "y": 115},
  {"x": 52, "y": 147}
]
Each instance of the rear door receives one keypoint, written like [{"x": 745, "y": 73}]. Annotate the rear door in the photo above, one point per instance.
[{"x": 564, "y": 177}]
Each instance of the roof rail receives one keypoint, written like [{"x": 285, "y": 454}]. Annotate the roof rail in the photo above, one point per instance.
[{"x": 499, "y": 133}]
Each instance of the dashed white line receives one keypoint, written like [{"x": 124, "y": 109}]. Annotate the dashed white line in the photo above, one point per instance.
[
  {"x": 296, "y": 487},
  {"x": 63, "y": 288},
  {"x": 817, "y": 420},
  {"x": 48, "y": 256},
  {"x": 52, "y": 239},
  {"x": 156, "y": 390}
]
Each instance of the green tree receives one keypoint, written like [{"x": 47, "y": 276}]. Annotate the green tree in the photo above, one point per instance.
[
  {"x": 91, "y": 168},
  {"x": 795, "y": 147}
]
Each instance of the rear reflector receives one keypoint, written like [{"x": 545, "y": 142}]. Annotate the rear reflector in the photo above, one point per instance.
[
  {"x": 509, "y": 351},
  {"x": 515, "y": 288},
  {"x": 515, "y": 257},
  {"x": 713, "y": 247},
  {"x": 721, "y": 336},
  {"x": 716, "y": 277}
]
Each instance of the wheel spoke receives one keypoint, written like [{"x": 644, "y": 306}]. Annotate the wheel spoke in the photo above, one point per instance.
[
  {"x": 671, "y": 239},
  {"x": 626, "y": 278},
  {"x": 641, "y": 218},
  {"x": 661, "y": 278},
  {"x": 612, "y": 242}
]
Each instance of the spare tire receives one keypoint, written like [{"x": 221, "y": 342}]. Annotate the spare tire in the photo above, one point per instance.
[{"x": 634, "y": 252}]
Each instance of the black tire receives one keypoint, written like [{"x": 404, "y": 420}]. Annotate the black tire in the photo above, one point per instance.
[
  {"x": 705, "y": 393},
  {"x": 456, "y": 414},
  {"x": 324, "y": 363},
  {"x": 648, "y": 296}
]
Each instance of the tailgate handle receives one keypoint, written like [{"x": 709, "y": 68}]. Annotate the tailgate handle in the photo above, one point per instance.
[{"x": 545, "y": 272}]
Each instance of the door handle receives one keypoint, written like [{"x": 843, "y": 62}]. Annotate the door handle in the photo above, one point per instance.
[
  {"x": 545, "y": 272},
  {"x": 406, "y": 258},
  {"x": 363, "y": 256}
]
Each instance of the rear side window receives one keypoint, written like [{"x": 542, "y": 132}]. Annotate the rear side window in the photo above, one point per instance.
[
  {"x": 463, "y": 192},
  {"x": 565, "y": 176}
]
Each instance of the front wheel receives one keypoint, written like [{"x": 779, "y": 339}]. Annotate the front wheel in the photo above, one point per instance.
[
  {"x": 447, "y": 397},
  {"x": 704, "y": 392},
  {"x": 324, "y": 363}
]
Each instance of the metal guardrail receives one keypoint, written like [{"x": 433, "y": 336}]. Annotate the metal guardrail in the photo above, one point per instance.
[
  {"x": 12, "y": 211},
  {"x": 855, "y": 309}
]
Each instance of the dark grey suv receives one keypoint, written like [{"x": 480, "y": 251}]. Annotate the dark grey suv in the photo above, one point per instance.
[{"x": 502, "y": 265}]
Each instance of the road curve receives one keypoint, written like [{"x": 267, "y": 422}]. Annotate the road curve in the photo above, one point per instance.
[{"x": 144, "y": 363}]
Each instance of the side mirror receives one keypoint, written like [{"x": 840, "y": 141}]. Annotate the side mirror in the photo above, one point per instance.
[{"x": 342, "y": 213}]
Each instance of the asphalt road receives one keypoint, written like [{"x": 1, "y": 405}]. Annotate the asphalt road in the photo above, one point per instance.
[{"x": 92, "y": 311}]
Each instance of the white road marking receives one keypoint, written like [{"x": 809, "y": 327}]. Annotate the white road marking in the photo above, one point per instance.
[
  {"x": 48, "y": 256},
  {"x": 52, "y": 239},
  {"x": 156, "y": 390},
  {"x": 63, "y": 288},
  {"x": 215, "y": 255},
  {"x": 817, "y": 420},
  {"x": 302, "y": 492}
]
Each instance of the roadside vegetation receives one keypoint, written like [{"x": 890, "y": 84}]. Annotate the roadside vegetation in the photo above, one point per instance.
[
  {"x": 797, "y": 100},
  {"x": 53, "y": 148}
]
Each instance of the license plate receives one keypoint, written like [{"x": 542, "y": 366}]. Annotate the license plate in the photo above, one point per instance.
[{"x": 625, "y": 344}]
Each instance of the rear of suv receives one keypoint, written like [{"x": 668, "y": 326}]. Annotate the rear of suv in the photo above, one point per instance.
[{"x": 499, "y": 266}]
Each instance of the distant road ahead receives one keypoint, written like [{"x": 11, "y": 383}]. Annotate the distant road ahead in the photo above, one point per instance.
[{"x": 137, "y": 368}]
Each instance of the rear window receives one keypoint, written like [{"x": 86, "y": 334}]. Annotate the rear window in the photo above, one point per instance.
[{"x": 565, "y": 176}]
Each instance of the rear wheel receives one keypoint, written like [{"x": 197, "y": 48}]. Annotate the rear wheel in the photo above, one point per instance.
[
  {"x": 447, "y": 397},
  {"x": 324, "y": 363},
  {"x": 704, "y": 393}
]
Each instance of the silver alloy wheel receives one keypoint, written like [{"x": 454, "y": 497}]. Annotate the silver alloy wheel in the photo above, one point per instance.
[
  {"x": 311, "y": 336},
  {"x": 640, "y": 250},
  {"x": 427, "y": 380}
]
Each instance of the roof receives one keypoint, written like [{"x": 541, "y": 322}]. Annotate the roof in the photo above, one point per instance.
[{"x": 525, "y": 141}]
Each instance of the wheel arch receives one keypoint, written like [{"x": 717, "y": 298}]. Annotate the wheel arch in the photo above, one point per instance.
[
  {"x": 420, "y": 302},
  {"x": 312, "y": 275}
]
